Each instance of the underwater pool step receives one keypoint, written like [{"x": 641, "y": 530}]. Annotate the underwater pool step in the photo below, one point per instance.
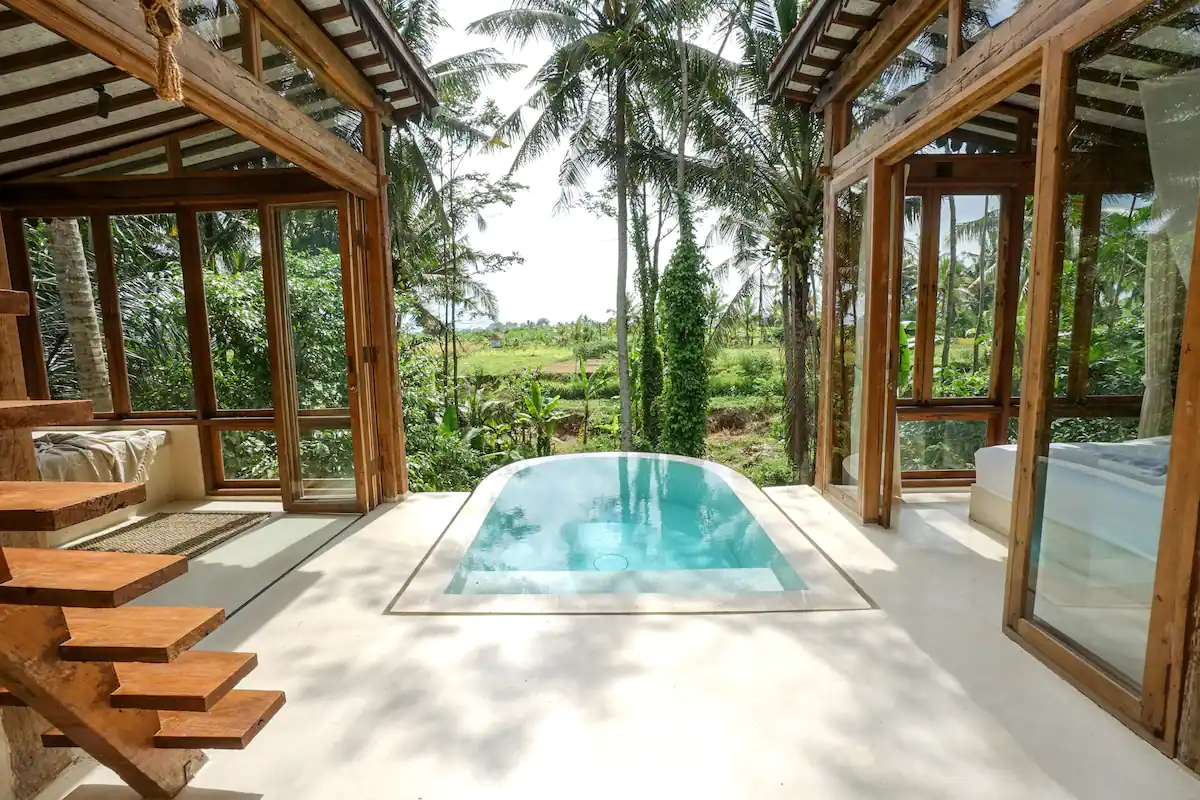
[{"x": 674, "y": 582}]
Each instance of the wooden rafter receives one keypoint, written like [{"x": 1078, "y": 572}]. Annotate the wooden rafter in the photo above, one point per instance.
[
  {"x": 40, "y": 57},
  {"x": 49, "y": 91},
  {"x": 214, "y": 86}
]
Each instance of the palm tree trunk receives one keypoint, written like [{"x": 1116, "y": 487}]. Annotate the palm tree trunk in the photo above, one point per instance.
[
  {"x": 950, "y": 278},
  {"x": 979, "y": 296},
  {"x": 623, "y": 260},
  {"x": 79, "y": 308}
]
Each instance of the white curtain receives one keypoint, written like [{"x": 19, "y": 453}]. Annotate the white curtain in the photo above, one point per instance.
[{"x": 1172, "y": 112}]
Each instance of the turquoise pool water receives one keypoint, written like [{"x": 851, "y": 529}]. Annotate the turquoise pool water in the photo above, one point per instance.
[{"x": 620, "y": 525}]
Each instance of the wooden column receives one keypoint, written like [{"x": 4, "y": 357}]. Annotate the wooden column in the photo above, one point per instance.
[
  {"x": 927, "y": 286},
  {"x": 879, "y": 229},
  {"x": 895, "y": 263},
  {"x": 381, "y": 291},
  {"x": 1085, "y": 297},
  {"x": 954, "y": 43},
  {"x": 1010, "y": 247},
  {"x": 199, "y": 341},
  {"x": 110, "y": 312},
  {"x": 835, "y": 134},
  {"x": 252, "y": 41},
  {"x": 33, "y": 362},
  {"x": 282, "y": 358},
  {"x": 1041, "y": 325}
]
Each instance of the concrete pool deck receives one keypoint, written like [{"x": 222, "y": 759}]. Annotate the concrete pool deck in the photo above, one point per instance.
[{"x": 922, "y": 698}]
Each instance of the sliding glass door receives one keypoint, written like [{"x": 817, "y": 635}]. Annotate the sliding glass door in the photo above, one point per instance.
[{"x": 313, "y": 291}]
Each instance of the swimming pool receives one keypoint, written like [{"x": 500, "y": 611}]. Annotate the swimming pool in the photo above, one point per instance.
[{"x": 622, "y": 532}]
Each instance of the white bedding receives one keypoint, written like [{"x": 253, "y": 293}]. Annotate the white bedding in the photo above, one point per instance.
[
  {"x": 1112, "y": 491},
  {"x": 121, "y": 456}
]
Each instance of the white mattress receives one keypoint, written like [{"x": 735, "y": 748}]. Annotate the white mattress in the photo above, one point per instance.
[{"x": 1112, "y": 491}]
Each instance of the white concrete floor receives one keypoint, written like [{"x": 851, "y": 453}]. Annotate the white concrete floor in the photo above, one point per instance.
[{"x": 921, "y": 698}]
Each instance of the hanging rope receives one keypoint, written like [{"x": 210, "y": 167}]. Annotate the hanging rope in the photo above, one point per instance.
[{"x": 162, "y": 22}]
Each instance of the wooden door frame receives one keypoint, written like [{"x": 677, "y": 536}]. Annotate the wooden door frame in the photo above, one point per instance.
[
  {"x": 1153, "y": 711},
  {"x": 283, "y": 357}
]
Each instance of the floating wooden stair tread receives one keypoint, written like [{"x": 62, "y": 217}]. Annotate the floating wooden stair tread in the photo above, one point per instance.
[
  {"x": 35, "y": 413},
  {"x": 82, "y": 579},
  {"x": 230, "y": 725},
  {"x": 10, "y": 700},
  {"x": 14, "y": 303},
  {"x": 52, "y": 506},
  {"x": 195, "y": 681},
  {"x": 150, "y": 634}
]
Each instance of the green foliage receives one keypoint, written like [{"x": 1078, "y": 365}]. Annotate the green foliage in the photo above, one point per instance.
[
  {"x": 685, "y": 339},
  {"x": 601, "y": 348},
  {"x": 540, "y": 412}
]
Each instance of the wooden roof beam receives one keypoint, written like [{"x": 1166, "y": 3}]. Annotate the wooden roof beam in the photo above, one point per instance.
[
  {"x": 39, "y": 57},
  {"x": 896, "y": 27},
  {"x": 322, "y": 54},
  {"x": 1004, "y": 62},
  {"x": 213, "y": 86},
  {"x": 49, "y": 91}
]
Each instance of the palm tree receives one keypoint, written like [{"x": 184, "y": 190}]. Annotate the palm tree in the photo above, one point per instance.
[
  {"x": 605, "y": 51},
  {"x": 759, "y": 161}
]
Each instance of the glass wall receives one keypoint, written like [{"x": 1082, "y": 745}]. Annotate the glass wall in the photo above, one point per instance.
[
  {"x": 980, "y": 17},
  {"x": 312, "y": 272},
  {"x": 237, "y": 316},
  {"x": 1131, "y": 216},
  {"x": 849, "y": 338},
  {"x": 909, "y": 281},
  {"x": 153, "y": 312},
  {"x": 287, "y": 74},
  {"x": 941, "y": 444},
  {"x": 966, "y": 300},
  {"x": 218, "y": 22},
  {"x": 63, "y": 263},
  {"x": 924, "y": 57}
]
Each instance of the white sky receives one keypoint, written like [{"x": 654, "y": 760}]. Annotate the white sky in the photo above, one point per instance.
[{"x": 570, "y": 259}]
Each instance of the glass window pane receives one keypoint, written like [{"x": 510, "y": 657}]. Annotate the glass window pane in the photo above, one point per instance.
[
  {"x": 327, "y": 463},
  {"x": 225, "y": 150},
  {"x": 288, "y": 75},
  {"x": 237, "y": 316},
  {"x": 849, "y": 319},
  {"x": 918, "y": 62},
  {"x": 153, "y": 314},
  {"x": 250, "y": 455},
  {"x": 966, "y": 302},
  {"x": 1103, "y": 479},
  {"x": 63, "y": 264},
  {"x": 909, "y": 280},
  {"x": 980, "y": 17},
  {"x": 929, "y": 444},
  {"x": 218, "y": 22}
]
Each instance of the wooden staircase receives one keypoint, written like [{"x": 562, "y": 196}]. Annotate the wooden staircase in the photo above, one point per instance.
[{"x": 118, "y": 681}]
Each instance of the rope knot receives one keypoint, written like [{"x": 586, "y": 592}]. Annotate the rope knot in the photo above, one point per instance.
[{"x": 163, "y": 23}]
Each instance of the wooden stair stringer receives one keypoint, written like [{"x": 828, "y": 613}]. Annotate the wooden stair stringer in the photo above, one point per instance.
[{"x": 74, "y": 697}]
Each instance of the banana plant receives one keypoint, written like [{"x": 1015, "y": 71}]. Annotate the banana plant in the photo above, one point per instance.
[
  {"x": 541, "y": 412},
  {"x": 588, "y": 385}
]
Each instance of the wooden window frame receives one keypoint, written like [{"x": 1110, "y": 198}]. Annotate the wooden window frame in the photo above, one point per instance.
[{"x": 1156, "y": 709}]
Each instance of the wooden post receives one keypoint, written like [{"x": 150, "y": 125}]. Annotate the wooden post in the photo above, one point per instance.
[
  {"x": 282, "y": 358},
  {"x": 1037, "y": 378},
  {"x": 1085, "y": 297},
  {"x": 110, "y": 313},
  {"x": 896, "y": 259},
  {"x": 199, "y": 341},
  {"x": 1010, "y": 246},
  {"x": 381, "y": 291},
  {"x": 927, "y": 286},
  {"x": 252, "y": 41},
  {"x": 879, "y": 229},
  {"x": 835, "y": 132},
  {"x": 954, "y": 42},
  {"x": 33, "y": 362}
]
